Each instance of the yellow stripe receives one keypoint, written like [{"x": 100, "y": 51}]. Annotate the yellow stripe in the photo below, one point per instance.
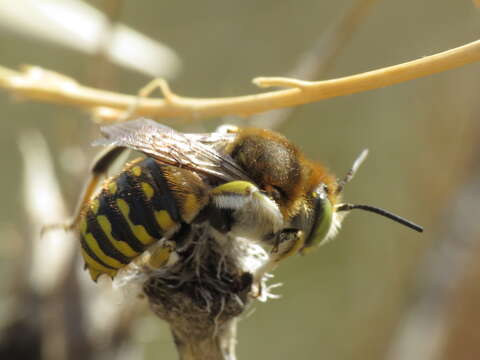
[
  {"x": 95, "y": 266},
  {"x": 94, "y": 205},
  {"x": 164, "y": 220},
  {"x": 138, "y": 230},
  {"x": 112, "y": 187},
  {"x": 83, "y": 226},
  {"x": 137, "y": 170},
  {"x": 163, "y": 217},
  {"x": 148, "y": 190},
  {"x": 190, "y": 206},
  {"x": 93, "y": 245},
  {"x": 94, "y": 274},
  {"x": 121, "y": 246}
]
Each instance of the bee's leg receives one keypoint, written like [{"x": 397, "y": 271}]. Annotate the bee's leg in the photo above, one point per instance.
[
  {"x": 159, "y": 255},
  {"x": 244, "y": 210},
  {"x": 225, "y": 199},
  {"x": 99, "y": 168},
  {"x": 287, "y": 242}
]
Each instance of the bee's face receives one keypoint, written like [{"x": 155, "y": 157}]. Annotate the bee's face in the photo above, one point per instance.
[{"x": 303, "y": 190}]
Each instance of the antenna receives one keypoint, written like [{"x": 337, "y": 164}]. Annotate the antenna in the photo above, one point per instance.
[
  {"x": 351, "y": 173},
  {"x": 385, "y": 213}
]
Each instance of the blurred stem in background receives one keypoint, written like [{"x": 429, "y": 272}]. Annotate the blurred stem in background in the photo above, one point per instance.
[
  {"x": 317, "y": 61},
  {"x": 101, "y": 69},
  {"x": 440, "y": 321}
]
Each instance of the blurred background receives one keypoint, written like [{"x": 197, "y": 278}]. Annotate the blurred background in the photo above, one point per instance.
[{"x": 380, "y": 291}]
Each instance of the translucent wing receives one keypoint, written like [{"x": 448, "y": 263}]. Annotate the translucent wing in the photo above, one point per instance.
[{"x": 198, "y": 152}]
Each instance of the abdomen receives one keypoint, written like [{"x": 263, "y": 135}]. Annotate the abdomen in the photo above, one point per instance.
[{"x": 132, "y": 211}]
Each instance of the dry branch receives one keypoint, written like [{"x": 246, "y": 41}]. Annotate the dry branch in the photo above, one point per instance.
[{"x": 38, "y": 84}]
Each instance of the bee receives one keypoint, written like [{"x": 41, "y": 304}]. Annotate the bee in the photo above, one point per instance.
[{"x": 249, "y": 183}]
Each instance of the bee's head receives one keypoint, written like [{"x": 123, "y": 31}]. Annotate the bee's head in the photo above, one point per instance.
[{"x": 320, "y": 218}]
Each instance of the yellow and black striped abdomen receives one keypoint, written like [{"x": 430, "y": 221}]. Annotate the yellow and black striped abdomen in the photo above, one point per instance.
[{"x": 132, "y": 211}]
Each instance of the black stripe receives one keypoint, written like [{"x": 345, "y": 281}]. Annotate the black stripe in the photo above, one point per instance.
[
  {"x": 90, "y": 252},
  {"x": 129, "y": 189},
  {"x": 163, "y": 198},
  {"x": 120, "y": 228},
  {"x": 182, "y": 234},
  {"x": 94, "y": 228}
]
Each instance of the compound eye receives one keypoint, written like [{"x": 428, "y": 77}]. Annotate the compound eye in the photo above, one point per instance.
[{"x": 322, "y": 215}]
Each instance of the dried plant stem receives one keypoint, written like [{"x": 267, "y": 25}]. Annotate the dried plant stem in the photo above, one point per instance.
[
  {"x": 37, "y": 84},
  {"x": 218, "y": 347}
]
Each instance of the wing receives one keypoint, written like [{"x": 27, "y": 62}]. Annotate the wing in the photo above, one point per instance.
[{"x": 197, "y": 152}]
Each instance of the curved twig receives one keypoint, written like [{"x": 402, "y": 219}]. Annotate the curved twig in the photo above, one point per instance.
[{"x": 38, "y": 84}]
